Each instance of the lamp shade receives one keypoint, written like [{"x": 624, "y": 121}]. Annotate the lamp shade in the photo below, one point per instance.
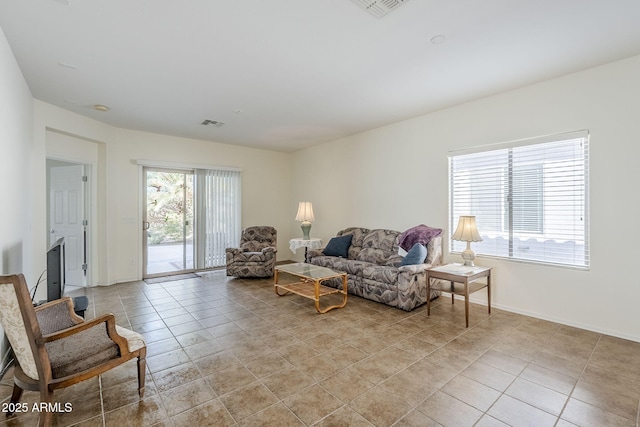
[
  {"x": 467, "y": 230},
  {"x": 305, "y": 212}
]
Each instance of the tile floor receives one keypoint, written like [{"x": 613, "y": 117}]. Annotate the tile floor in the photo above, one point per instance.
[{"x": 229, "y": 352}]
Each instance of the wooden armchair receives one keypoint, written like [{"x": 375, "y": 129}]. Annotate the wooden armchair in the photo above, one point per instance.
[{"x": 55, "y": 348}]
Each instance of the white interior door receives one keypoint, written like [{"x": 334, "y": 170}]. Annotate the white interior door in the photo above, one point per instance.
[{"x": 67, "y": 219}]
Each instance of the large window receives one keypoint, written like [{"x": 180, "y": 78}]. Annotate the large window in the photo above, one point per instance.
[{"x": 530, "y": 198}]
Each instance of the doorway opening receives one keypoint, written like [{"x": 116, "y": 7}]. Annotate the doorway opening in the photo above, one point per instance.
[
  {"x": 190, "y": 216},
  {"x": 68, "y": 212},
  {"x": 168, "y": 220}
]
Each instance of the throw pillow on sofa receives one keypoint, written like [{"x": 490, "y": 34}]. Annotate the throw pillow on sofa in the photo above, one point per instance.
[
  {"x": 338, "y": 246},
  {"x": 416, "y": 255}
]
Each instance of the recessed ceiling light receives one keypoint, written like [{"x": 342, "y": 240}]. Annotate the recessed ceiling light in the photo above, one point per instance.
[
  {"x": 439, "y": 39},
  {"x": 66, "y": 65},
  {"x": 100, "y": 107}
]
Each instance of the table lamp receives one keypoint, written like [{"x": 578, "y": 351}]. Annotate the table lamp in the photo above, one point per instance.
[
  {"x": 305, "y": 214},
  {"x": 467, "y": 232}
]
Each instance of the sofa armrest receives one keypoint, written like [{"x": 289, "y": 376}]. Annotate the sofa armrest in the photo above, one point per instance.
[
  {"x": 314, "y": 252},
  {"x": 234, "y": 251},
  {"x": 415, "y": 268},
  {"x": 269, "y": 249}
]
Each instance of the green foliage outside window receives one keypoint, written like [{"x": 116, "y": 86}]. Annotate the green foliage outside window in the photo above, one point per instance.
[{"x": 169, "y": 207}]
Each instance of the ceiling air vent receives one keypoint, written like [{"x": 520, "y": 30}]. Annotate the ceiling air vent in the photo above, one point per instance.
[
  {"x": 212, "y": 122},
  {"x": 379, "y": 8}
]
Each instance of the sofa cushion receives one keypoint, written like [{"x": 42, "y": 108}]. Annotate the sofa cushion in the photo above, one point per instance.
[
  {"x": 378, "y": 246},
  {"x": 338, "y": 246},
  {"x": 394, "y": 261},
  {"x": 385, "y": 276},
  {"x": 355, "y": 267},
  {"x": 416, "y": 255},
  {"x": 332, "y": 262},
  {"x": 358, "y": 234}
]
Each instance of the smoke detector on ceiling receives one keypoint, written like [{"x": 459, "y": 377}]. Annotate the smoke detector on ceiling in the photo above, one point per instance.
[
  {"x": 212, "y": 122},
  {"x": 379, "y": 8}
]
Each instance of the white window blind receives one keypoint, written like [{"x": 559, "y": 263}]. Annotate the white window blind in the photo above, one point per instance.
[
  {"x": 530, "y": 198},
  {"x": 218, "y": 204}
]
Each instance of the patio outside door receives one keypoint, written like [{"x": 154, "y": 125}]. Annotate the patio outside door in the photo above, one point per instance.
[{"x": 168, "y": 222}]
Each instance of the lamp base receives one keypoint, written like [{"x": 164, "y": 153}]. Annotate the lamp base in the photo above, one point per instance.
[
  {"x": 306, "y": 228},
  {"x": 468, "y": 256}
]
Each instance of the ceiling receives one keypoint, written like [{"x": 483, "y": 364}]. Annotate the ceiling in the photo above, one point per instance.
[{"x": 288, "y": 74}]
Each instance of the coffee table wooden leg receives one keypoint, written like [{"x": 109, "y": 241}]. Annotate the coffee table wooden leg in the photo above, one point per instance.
[
  {"x": 344, "y": 293},
  {"x": 275, "y": 282}
]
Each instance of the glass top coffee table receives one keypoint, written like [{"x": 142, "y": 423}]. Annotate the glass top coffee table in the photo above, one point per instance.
[{"x": 310, "y": 283}]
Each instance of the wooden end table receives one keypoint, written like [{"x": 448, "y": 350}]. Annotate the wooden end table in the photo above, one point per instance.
[
  {"x": 462, "y": 281},
  {"x": 310, "y": 284}
]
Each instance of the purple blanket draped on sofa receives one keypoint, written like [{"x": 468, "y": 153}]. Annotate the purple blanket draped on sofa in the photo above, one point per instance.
[{"x": 418, "y": 234}]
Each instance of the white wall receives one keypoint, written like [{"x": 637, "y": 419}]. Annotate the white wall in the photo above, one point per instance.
[
  {"x": 265, "y": 187},
  {"x": 15, "y": 173},
  {"x": 265, "y": 183},
  {"x": 63, "y": 135},
  {"x": 90, "y": 154},
  {"x": 396, "y": 177}
]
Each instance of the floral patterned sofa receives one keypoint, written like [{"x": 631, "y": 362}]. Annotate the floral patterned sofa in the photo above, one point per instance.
[{"x": 374, "y": 269}]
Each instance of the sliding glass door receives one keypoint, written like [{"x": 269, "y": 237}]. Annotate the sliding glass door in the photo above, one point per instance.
[
  {"x": 218, "y": 212},
  {"x": 190, "y": 217},
  {"x": 168, "y": 222}
]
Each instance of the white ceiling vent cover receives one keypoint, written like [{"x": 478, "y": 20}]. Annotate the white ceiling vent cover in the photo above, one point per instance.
[
  {"x": 212, "y": 122},
  {"x": 379, "y": 8}
]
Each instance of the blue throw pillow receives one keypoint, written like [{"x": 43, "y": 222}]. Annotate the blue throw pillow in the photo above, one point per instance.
[
  {"x": 416, "y": 255},
  {"x": 338, "y": 246}
]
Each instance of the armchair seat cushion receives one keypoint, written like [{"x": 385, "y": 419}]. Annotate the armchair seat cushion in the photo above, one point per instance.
[
  {"x": 250, "y": 257},
  {"x": 81, "y": 351}
]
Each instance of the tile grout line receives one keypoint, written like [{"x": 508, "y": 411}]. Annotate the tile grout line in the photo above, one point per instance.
[{"x": 578, "y": 379}]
